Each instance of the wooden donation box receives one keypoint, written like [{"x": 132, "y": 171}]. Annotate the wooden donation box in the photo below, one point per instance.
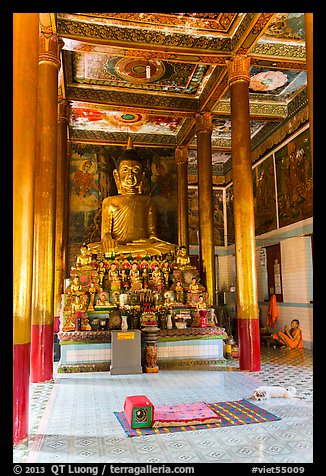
[
  {"x": 126, "y": 352},
  {"x": 139, "y": 411}
]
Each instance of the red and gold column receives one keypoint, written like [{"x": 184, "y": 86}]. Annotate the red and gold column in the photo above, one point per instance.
[
  {"x": 248, "y": 318},
  {"x": 62, "y": 209},
  {"x": 44, "y": 208},
  {"x": 25, "y": 71},
  {"x": 309, "y": 32},
  {"x": 181, "y": 157},
  {"x": 205, "y": 202}
]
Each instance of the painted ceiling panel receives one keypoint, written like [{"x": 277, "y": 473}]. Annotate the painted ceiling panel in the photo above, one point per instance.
[
  {"x": 148, "y": 74},
  {"x": 117, "y": 121}
]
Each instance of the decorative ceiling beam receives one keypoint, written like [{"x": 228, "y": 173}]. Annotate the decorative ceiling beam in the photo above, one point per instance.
[
  {"x": 81, "y": 46},
  {"x": 258, "y": 110},
  {"x": 124, "y": 98},
  {"x": 147, "y": 38},
  {"x": 119, "y": 139}
]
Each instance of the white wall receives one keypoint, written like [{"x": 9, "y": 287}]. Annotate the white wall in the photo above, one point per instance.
[
  {"x": 226, "y": 272},
  {"x": 297, "y": 283},
  {"x": 296, "y": 269}
]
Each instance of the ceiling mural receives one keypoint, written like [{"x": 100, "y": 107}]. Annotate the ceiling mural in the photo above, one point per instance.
[
  {"x": 286, "y": 26},
  {"x": 148, "y": 74},
  {"x": 128, "y": 121},
  {"x": 137, "y": 73}
]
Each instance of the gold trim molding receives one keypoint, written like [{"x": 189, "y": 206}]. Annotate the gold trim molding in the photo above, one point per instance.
[
  {"x": 49, "y": 49},
  {"x": 238, "y": 68},
  {"x": 181, "y": 154},
  {"x": 204, "y": 122}
]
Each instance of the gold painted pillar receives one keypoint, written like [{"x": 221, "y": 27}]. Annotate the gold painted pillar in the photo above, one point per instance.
[
  {"x": 309, "y": 30},
  {"x": 248, "y": 319},
  {"x": 44, "y": 209},
  {"x": 205, "y": 203},
  {"x": 25, "y": 70},
  {"x": 181, "y": 157},
  {"x": 62, "y": 209}
]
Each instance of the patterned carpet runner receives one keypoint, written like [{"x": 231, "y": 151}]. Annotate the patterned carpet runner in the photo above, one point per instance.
[{"x": 241, "y": 412}]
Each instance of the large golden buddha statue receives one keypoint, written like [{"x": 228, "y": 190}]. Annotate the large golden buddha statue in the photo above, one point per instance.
[{"x": 129, "y": 218}]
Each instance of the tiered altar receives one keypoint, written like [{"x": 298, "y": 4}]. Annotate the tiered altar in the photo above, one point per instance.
[{"x": 160, "y": 296}]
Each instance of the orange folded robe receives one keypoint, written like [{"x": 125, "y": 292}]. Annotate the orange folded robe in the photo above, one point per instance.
[{"x": 272, "y": 313}]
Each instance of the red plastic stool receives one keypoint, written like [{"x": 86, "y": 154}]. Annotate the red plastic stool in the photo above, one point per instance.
[{"x": 139, "y": 411}]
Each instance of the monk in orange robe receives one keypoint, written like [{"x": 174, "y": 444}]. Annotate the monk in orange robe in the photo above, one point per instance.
[{"x": 292, "y": 338}]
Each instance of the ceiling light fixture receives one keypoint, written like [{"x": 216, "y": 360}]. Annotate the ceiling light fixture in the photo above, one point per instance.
[{"x": 148, "y": 71}]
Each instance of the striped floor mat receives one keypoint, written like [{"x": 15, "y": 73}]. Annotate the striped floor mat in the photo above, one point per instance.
[{"x": 241, "y": 412}]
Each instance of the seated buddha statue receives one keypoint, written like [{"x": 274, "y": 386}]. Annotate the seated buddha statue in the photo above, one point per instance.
[
  {"x": 157, "y": 278},
  {"x": 194, "y": 290},
  {"x": 75, "y": 288},
  {"x": 183, "y": 259},
  {"x": 84, "y": 259},
  {"x": 129, "y": 218}
]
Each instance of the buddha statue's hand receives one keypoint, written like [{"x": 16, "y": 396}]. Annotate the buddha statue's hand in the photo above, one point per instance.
[
  {"x": 109, "y": 244},
  {"x": 154, "y": 239}
]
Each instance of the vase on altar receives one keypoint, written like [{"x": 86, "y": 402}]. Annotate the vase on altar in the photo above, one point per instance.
[
  {"x": 169, "y": 323},
  {"x": 124, "y": 323}
]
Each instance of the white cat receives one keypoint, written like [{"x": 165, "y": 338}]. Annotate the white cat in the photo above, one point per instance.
[{"x": 265, "y": 392}]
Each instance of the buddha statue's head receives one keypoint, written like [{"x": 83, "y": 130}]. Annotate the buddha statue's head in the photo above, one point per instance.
[{"x": 129, "y": 174}]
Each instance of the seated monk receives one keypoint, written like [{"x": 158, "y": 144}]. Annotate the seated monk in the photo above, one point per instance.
[
  {"x": 292, "y": 338},
  {"x": 129, "y": 218}
]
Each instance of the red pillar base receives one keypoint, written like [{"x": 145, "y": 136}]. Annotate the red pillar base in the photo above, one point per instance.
[
  {"x": 41, "y": 352},
  {"x": 249, "y": 344},
  {"x": 21, "y": 358}
]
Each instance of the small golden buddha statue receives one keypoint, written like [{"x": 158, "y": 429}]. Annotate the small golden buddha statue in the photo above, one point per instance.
[
  {"x": 183, "y": 259},
  {"x": 84, "y": 259},
  {"x": 157, "y": 278},
  {"x": 77, "y": 305},
  {"x": 179, "y": 292},
  {"x": 92, "y": 289},
  {"x": 75, "y": 287},
  {"x": 134, "y": 276},
  {"x": 103, "y": 299},
  {"x": 201, "y": 304},
  {"x": 194, "y": 290},
  {"x": 166, "y": 273}
]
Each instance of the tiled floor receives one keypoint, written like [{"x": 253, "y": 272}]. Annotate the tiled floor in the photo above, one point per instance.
[{"x": 72, "y": 420}]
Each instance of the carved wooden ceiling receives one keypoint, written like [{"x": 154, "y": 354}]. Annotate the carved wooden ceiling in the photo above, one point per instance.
[{"x": 148, "y": 74}]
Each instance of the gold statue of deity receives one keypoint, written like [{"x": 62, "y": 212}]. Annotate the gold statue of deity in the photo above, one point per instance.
[
  {"x": 129, "y": 218},
  {"x": 84, "y": 259},
  {"x": 183, "y": 259}
]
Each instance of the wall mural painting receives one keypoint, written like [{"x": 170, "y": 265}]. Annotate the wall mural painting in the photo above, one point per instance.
[
  {"x": 193, "y": 217},
  {"x": 84, "y": 194},
  {"x": 229, "y": 216},
  {"x": 294, "y": 180},
  {"x": 164, "y": 193},
  {"x": 264, "y": 197},
  {"x": 218, "y": 217}
]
